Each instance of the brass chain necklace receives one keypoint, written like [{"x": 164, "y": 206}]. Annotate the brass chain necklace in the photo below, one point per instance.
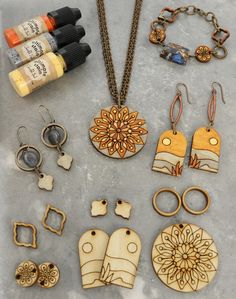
[{"x": 118, "y": 131}]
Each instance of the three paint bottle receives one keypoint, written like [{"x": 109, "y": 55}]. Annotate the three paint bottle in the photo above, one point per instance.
[{"x": 38, "y": 25}]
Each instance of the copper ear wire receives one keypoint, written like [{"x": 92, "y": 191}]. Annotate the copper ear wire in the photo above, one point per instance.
[
  {"x": 43, "y": 111},
  {"x": 19, "y": 137},
  {"x": 211, "y": 111},
  {"x": 178, "y": 98}
]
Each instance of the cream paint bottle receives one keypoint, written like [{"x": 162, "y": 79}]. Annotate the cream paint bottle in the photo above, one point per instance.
[{"x": 48, "y": 67}]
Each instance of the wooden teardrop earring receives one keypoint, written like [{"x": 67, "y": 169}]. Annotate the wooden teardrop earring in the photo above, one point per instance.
[
  {"x": 172, "y": 144},
  {"x": 205, "y": 151}
]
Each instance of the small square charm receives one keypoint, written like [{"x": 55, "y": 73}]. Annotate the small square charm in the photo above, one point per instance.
[{"x": 175, "y": 53}]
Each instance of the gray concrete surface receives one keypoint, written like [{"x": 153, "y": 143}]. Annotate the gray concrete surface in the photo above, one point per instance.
[{"x": 74, "y": 99}]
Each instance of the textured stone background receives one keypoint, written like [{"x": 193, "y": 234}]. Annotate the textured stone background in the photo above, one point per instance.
[{"x": 74, "y": 99}]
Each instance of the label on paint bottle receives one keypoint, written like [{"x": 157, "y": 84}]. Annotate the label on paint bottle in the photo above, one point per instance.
[
  {"x": 31, "y": 28},
  {"x": 33, "y": 48},
  {"x": 38, "y": 72}
]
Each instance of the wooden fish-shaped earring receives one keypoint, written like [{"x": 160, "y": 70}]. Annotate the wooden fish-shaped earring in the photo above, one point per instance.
[
  {"x": 172, "y": 144},
  {"x": 54, "y": 135},
  {"x": 205, "y": 151}
]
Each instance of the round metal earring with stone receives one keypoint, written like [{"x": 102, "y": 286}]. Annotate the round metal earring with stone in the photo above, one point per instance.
[
  {"x": 54, "y": 135},
  {"x": 29, "y": 158}
]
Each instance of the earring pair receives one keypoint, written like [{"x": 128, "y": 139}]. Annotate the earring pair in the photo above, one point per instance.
[
  {"x": 172, "y": 144},
  {"x": 181, "y": 201},
  {"x": 45, "y": 275},
  {"x": 29, "y": 158},
  {"x": 106, "y": 260},
  {"x": 99, "y": 208}
]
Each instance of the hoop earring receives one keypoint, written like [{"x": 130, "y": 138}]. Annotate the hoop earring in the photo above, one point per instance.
[{"x": 29, "y": 158}]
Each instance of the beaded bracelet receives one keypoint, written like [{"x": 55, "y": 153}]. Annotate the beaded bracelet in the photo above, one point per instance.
[{"x": 179, "y": 54}]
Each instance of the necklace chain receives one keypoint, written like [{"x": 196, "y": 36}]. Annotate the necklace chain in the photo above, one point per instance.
[{"x": 119, "y": 98}]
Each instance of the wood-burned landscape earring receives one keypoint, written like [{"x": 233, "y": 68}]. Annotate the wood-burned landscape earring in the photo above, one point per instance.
[
  {"x": 54, "y": 135},
  {"x": 172, "y": 144},
  {"x": 29, "y": 158},
  {"x": 205, "y": 151}
]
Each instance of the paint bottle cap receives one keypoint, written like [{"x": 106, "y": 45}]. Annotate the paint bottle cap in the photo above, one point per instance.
[
  {"x": 65, "y": 15},
  {"x": 74, "y": 54},
  {"x": 68, "y": 34}
]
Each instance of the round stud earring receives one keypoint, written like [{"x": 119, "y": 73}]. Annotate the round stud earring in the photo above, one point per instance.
[
  {"x": 49, "y": 275},
  {"x": 26, "y": 274}
]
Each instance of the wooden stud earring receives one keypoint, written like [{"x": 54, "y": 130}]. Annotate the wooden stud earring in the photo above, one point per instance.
[
  {"x": 99, "y": 207},
  {"x": 26, "y": 274},
  {"x": 54, "y": 135},
  {"x": 205, "y": 151},
  {"x": 29, "y": 158},
  {"x": 172, "y": 144},
  {"x": 49, "y": 275}
]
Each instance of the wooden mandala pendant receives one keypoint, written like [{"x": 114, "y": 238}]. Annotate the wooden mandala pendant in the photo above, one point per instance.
[
  {"x": 118, "y": 132},
  {"x": 170, "y": 153},
  {"x": 205, "y": 152},
  {"x": 185, "y": 257}
]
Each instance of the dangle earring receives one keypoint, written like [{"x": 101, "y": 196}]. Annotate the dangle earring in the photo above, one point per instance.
[
  {"x": 29, "y": 158},
  {"x": 205, "y": 151},
  {"x": 172, "y": 144},
  {"x": 54, "y": 135}
]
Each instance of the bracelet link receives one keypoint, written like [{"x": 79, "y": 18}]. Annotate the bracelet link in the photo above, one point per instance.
[
  {"x": 166, "y": 19},
  {"x": 224, "y": 35}
]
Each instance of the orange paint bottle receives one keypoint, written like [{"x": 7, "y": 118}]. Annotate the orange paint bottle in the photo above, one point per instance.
[{"x": 38, "y": 25}]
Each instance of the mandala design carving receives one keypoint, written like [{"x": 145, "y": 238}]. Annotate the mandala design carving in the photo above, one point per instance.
[
  {"x": 48, "y": 275},
  {"x": 118, "y": 132},
  {"x": 185, "y": 257},
  {"x": 26, "y": 274}
]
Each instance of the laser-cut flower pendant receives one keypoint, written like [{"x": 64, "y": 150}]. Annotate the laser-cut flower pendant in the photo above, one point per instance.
[
  {"x": 185, "y": 257},
  {"x": 118, "y": 132}
]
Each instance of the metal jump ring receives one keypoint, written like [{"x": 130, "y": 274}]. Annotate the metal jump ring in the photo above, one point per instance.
[
  {"x": 207, "y": 198},
  {"x": 157, "y": 209}
]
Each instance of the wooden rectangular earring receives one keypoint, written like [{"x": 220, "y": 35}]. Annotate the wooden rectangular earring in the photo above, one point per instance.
[
  {"x": 206, "y": 142},
  {"x": 172, "y": 144}
]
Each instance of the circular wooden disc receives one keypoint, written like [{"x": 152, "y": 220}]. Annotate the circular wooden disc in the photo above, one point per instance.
[
  {"x": 49, "y": 275},
  {"x": 185, "y": 257},
  {"x": 26, "y": 274},
  {"x": 118, "y": 132}
]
